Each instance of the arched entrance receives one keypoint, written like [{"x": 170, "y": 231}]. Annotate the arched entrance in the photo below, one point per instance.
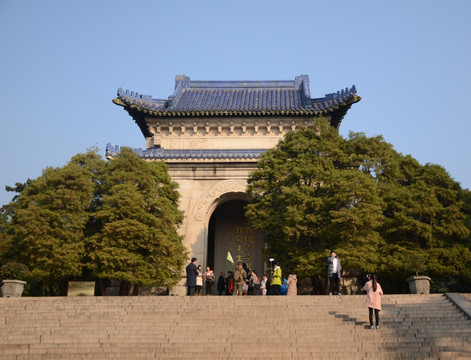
[{"x": 229, "y": 232}]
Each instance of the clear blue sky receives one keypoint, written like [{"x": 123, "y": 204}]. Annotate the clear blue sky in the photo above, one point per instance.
[{"x": 62, "y": 62}]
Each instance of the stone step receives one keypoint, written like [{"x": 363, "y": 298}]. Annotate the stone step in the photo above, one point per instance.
[{"x": 412, "y": 326}]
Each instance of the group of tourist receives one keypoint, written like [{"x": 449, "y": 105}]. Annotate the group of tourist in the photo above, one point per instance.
[
  {"x": 195, "y": 279},
  {"x": 243, "y": 281}
]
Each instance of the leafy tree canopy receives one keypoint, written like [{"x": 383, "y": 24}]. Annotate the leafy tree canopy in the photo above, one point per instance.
[
  {"x": 115, "y": 220},
  {"x": 47, "y": 221},
  {"x": 138, "y": 242},
  {"x": 377, "y": 208}
]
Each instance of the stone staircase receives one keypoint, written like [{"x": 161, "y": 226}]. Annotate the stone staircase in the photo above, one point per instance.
[{"x": 254, "y": 327}]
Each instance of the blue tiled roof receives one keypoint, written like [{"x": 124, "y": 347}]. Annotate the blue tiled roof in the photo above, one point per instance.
[
  {"x": 162, "y": 154},
  {"x": 194, "y": 98}
]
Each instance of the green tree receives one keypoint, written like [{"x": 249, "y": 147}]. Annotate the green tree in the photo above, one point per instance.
[
  {"x": 45, "y": 229},
  {"x": 379, "y": 209},
  {"x": 96, "y": 219},
  {"x": 466, "y": 209},
  {"x": 5, "y": 239},
  {"x": 424, "y": 220},
  {"x": 309, "y": 196},
  {"x": 138, "y": 242}
]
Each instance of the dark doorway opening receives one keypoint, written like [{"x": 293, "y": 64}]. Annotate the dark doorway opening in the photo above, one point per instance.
[
  {"x": 211, "y": 239},
  {"x": 229, "y": 232}
]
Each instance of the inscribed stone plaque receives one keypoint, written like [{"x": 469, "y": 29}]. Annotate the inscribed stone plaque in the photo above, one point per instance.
[{"x": 81, "y": 288}]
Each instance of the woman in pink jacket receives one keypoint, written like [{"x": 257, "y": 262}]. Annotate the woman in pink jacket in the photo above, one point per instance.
[
  {"x": 373, "y": 299},
  {"x": 292, "y": 285}
]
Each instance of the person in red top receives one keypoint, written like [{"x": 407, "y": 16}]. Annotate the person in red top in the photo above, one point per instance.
[{"x": 373, "y": 299}]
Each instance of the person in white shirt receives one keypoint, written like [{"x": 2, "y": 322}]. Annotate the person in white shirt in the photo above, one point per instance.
[
  {"x": 334, "y": 272},
  {"x": 263, "y": 285},
  {"x": 199, "y": 281}
]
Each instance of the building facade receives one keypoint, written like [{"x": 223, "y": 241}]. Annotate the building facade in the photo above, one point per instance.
[{"x": 210, "y": 134}]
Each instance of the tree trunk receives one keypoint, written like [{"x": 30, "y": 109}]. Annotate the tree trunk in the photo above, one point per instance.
[
  {"x": 102, "y": 287},
  {"x": 124, "y": 288},
  {"x": 319, "y": 287}
]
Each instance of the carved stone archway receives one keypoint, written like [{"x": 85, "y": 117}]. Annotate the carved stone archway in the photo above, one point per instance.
[{"x": 221, "y": 192}]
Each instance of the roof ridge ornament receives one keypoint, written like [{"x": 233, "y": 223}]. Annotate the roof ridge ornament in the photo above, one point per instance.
[
  {"x": 301, "y": 82},
  {"x": 132, "y": 94},
  {"x": 182, "y": 82},
  {"x": 340, "y": 94}
]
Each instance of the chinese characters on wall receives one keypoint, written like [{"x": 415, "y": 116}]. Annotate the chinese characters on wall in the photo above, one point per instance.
[{"x": 241, "y": 245}]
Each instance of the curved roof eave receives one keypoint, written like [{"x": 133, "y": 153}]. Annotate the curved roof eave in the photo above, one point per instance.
[{"x": 340, "y": 108}]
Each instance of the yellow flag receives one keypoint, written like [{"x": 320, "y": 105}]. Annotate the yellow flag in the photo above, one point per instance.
[{"x": 229, "y": 257}]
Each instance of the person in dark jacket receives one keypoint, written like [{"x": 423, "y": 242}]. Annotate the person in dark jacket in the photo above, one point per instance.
[
  {"x": 191, "y": 274},
  {"x": 221, "y": 284}
]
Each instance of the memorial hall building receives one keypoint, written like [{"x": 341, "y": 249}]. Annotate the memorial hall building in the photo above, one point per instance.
[{"x": 211, "y": 134}]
